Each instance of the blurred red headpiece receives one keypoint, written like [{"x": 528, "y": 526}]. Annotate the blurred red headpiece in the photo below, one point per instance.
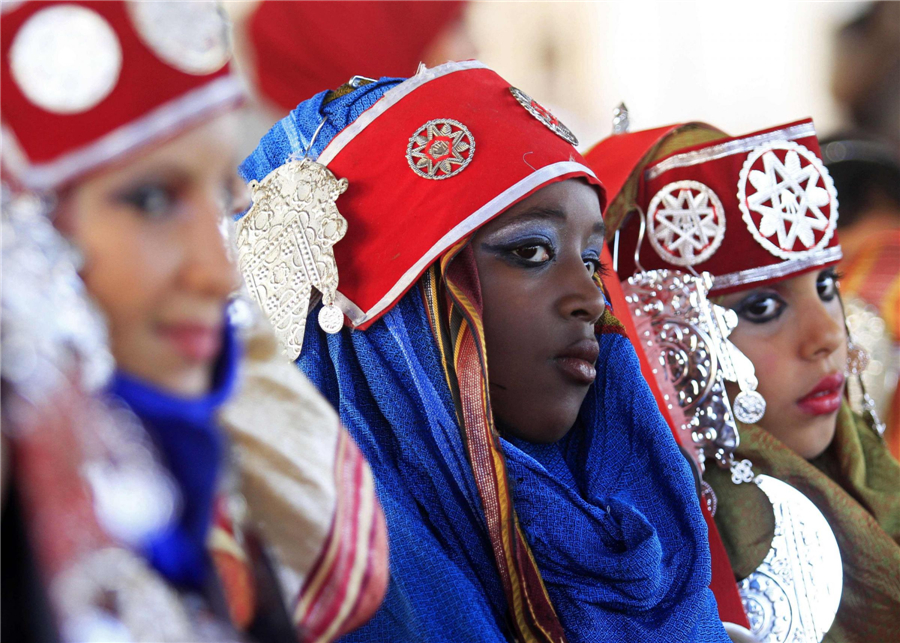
[{"x": 85, "y": 83}]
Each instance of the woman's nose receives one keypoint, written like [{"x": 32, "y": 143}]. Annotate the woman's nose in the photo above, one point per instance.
[
  {"x": 822, "y": 333},
  {"x": 582, "y": 298}
]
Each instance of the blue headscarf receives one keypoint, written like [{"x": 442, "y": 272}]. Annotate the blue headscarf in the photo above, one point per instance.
[{"x": 609, "y": 511}]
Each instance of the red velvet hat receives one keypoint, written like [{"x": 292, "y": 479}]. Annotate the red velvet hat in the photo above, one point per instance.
[
  {"x": 432, "y": 160},
  {"x": 84, "y": 83},
  {"x": 750, "y": 210},
  {"x": 406, "y": 210}
]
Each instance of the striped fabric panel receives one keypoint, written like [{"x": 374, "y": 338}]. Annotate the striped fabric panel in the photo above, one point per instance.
[
  {"x": 347, "y": 583},
  {"x": 456, "y": 321},
  {"x": 232, "y": 565}
]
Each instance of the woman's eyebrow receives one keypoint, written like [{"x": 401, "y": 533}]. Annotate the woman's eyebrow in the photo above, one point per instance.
[{"x": 542, "y": 212}]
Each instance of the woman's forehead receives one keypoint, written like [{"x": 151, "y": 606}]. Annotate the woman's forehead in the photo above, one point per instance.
[{"x": 562, "y": 203}]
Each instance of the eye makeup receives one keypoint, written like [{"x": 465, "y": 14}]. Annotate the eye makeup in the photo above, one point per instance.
[{"x": 760, "y": 307}]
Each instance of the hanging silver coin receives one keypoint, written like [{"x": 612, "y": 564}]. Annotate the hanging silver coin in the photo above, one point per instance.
[
  {"x": 331, "y": 319},
  {"x": 749, "y": 407}
]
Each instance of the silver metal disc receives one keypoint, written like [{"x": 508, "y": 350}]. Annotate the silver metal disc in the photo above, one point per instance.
[
  {"x": 66, "y": 59},
  {"x": 749, "y": 407},
  {"x": 793, "y": 596},
  {"x": 190, "y": 36},
  {"x": 331, "y": 319}
]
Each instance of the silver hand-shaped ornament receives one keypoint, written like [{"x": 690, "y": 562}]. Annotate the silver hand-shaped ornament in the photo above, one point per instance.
[{"x": 285, "y": 248}]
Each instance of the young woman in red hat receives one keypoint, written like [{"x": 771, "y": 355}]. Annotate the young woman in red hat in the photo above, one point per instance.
[
  {"x": 759, "y": 214},
  {"x": 428, "y": 250},
  {"x": 120, "y": 116}
]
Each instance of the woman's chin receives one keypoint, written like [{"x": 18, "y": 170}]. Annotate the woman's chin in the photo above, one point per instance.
[{"x": 810, "y": 437}]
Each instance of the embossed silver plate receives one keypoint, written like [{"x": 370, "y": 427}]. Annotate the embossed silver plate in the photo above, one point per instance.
[
  {"x": 794, "y": 595},
  {"x": 285, "y": 247}
]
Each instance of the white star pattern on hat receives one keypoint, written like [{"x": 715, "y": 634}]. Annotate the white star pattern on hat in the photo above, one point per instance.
[
  {"x": 687, "y": 222},
  {"x": 790, "y": 197}
]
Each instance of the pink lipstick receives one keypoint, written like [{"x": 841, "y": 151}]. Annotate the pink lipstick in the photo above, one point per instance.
[
  {"x": 825, "y": 398},
  {"x": 195, "y": 342}
]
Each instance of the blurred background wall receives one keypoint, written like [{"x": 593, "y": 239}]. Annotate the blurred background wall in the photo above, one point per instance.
[{"x": 739, "y": 65}]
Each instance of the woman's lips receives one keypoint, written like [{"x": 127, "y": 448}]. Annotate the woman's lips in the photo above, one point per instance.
[
  {"x": 196, "y": 342},
  {"x": 577, "y": 361},
  {"x": 825, "y": 398}
]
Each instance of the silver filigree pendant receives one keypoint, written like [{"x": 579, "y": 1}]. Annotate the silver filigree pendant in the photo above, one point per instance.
[
  {"x": 692, "y": 358},
  {"x": 285, "y": 248},
  {"x": 793, "y": 596},
  {"x": 741, "y": 471},
  {"x": 749, "y": 407}
]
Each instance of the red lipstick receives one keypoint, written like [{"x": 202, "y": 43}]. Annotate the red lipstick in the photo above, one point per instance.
[
  {"x": 577, "y": 361},
  {"x": 195, "y": 342},
  {"x": 825, "y": 398}
]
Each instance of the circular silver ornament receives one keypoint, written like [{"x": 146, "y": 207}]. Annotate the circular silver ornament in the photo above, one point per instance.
[
  {"x": 331, "y": 319},
  {"x": 190, "y": 36},
  {"x": 793, "y": 596},
  {"x": 66, "y": 59},
  {"x": 787, "y": 199},
  {"x": 749, "y": 407},
  {"x": 685, "y": 223},
  {"x": 543, "y": 115},
  {"x": 441, "y": 148}
]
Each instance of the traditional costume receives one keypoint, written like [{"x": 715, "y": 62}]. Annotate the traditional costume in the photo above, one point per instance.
[
  {"x": 696, "y": 212},
  {"x": 369, "y": 195},
  {"x": 161, "y": 550}
]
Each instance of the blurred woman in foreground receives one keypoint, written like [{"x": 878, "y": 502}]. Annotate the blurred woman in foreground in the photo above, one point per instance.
[{"x": 122, "y": 114}]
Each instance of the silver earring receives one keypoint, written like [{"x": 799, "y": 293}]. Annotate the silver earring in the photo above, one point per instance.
[{"x": 857, "y": 357}]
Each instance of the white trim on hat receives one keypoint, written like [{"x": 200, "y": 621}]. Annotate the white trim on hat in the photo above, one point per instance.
[
  {"x": 735, "y": 146},
  {"x": 778, "y": 270},
  {"x": 475, "y": 220},
  {"x": 163, "y": 119},
  {"x": 391, "y": 98}
]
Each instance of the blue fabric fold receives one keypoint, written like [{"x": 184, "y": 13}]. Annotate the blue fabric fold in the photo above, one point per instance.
[{"x": 192, "y": 446}]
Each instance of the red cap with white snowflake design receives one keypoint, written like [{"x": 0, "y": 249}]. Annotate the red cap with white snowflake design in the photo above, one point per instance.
[{"x": 749, "y": 210}]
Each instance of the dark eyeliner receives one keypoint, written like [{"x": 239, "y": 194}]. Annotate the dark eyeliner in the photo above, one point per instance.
[
  {"x": 743, "y": 308},
  {"x": 506, "y": 250}
]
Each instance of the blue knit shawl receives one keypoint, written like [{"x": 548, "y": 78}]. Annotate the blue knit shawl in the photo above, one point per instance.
[{"x": 610, "y": 511}]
